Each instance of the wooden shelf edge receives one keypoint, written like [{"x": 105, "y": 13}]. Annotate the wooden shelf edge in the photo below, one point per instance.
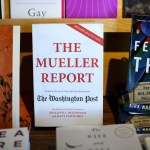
[{"x": 110, "y": 25}]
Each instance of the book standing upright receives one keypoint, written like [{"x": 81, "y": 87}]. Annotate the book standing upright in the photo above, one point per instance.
[
  {"x": 91, "y": 8},
  {"x": 68, "y": 74},
  {"x": 9, "y": 76},
  {"x": 37, "y": 9},
  {"x": 138, "y": 83}
]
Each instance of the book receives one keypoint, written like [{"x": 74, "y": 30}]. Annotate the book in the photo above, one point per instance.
[
  {"x": 68, "y": 74},
  {"x": 147, "y": 143},
  {"x": 14, "y": 138},
  {"x": 114, "y": 137},
  {"x": 91, "y": 9},
  {"x": 136, "y": 7},
  {"x": 9, "y": 76},
  {"x": 1, "y": 9},
  {"x": 143, "y": 109},
  {"x": 37, "y": 8},
  {"x": 138, "y": 82}
]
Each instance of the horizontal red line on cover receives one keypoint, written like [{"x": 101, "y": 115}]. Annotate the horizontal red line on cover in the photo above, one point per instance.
[{"x": 87, "y": 33}]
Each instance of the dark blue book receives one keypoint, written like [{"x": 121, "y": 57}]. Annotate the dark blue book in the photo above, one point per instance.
[{"x": 138, "y": 82}]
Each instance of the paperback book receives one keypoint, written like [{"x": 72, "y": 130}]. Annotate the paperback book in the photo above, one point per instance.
[
  {"x": 37, "y": 8},
  {"x": 114, "y": 137},
  {"x": 14, "y": 139},
  {"x": 136, "y": 114},
  {"x": 68, "y": 74},
  {"x": 136, "y": 7},
  {"x": 9, "y": 76},
  {"x": 138, "y": 83},
  {"x": 91, "y": 9},
  {"x": 1, "y": 9}
]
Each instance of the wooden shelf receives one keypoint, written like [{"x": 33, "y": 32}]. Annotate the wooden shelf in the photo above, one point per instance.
[{"x": 110, "y": 25}]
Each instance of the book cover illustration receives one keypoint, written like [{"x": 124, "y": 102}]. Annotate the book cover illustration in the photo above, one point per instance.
[
  {"x": 108, "y": 137},
  {"x": 138, "y": 83},
  {"x": 68, "y": 74},
  {"x": 37, "y": 8},
  {"x": 25, "y": 114},
  {"x": 9, "y": 76},
  {"x": 136, "y": 7},
  {"x": 91, "y": 9}
]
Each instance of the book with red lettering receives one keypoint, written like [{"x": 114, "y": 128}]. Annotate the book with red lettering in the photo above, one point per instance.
[
  {"x": 9, "y": 76},
  {"x": 91, "y": 8},
  {"x": 68, "y": 74},
  {"x": 37, "y": 9}
]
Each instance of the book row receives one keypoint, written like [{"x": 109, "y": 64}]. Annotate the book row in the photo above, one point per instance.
[
  {"x": 83, "y": 137},
  {"x": 68, "y": 72},
  {"x": 75, "y": 9}
]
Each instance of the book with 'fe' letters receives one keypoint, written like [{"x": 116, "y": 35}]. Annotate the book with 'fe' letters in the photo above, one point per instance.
[
  {"x": 68, "y": 74},
  {"x": 138, "y": 83}
]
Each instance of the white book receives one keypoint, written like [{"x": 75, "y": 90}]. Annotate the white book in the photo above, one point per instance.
[
  {"x": 2, "y": 9},
  {"x": 68, "y": 74},
  {"x": 9, "y": 76},
  {"x": 109, "y": 137},
  {"x": 14, "y": 139},
  {"x": 37, "y": 8},
  {"x": 147, "y": 143}
]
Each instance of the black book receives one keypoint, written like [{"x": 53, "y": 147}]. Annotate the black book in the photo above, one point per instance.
[{"x": 136, "y": 7}]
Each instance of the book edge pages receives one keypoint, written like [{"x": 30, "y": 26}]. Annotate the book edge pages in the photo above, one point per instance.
[
  {"x": 2, "y": 9},
  {"x": 16, "y": 78}
]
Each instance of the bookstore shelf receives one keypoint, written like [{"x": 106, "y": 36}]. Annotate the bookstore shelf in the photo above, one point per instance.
[
  {"x": 110, "y": 25},
  {"x": 46, "y": 138}
]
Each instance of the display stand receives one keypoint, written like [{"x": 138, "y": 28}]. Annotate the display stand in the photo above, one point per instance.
[{"x": 116, "y": 51}]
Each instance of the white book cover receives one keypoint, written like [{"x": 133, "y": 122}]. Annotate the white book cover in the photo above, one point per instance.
[
  {"x": 147, "y": 143},
  {"x": 68, "y": 74},
  {"x": 110, "y": 137},
  {"x": 9, "y": 76},
  {"x": 14, "y": 139},
  {"x": 2, "y": 9},
  {"x": 37, "y": 8}
]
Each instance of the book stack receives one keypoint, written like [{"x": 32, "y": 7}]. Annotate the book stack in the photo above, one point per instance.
[{"x": 135, "y": 104}]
